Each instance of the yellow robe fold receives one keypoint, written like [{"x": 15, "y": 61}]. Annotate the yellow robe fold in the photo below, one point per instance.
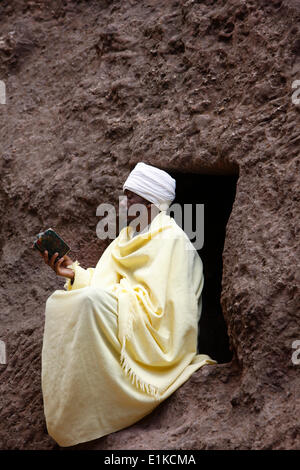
[{"x": 123, "y": 337}]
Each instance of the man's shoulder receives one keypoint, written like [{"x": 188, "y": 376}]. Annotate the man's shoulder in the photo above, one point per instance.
[{"x": 177, "y": 232}]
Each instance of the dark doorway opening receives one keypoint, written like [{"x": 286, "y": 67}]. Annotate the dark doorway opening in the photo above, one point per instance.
[{"x": 217, "y": 193}]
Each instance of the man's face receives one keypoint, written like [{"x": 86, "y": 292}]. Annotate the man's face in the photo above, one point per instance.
[{"x": 133, "y": 198}]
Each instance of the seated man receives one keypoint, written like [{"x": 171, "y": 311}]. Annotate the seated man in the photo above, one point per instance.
[{"x": 122, "y": 336}]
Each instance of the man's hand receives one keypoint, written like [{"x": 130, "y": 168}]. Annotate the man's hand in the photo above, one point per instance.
[{"x": 60, "y": 267}]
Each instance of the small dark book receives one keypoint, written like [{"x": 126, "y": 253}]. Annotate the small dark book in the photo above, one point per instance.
[{"x": 49, "y": 240}]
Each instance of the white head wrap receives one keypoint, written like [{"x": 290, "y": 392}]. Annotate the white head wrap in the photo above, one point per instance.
[{"x": 153, "y": 184}]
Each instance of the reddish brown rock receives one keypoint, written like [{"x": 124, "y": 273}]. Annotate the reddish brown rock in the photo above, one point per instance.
[{"x": 197, "y": 86}]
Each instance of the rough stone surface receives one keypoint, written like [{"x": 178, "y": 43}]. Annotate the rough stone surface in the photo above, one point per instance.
[{"x": 200, "y": 86}]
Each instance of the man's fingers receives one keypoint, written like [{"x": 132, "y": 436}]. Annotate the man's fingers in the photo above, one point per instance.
[
  {"x": 52, "y": 260},
  {"x": 57, "y": 265},
  {"x": 45, "y": 254}
]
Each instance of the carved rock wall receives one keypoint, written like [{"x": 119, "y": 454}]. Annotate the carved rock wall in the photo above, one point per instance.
[{"x": 92, "y": 87}]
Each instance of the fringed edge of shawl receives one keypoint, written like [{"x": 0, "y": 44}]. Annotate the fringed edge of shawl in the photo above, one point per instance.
[
  {"x": 128, "y": 370},
  {"x": 135, "y": 379}
]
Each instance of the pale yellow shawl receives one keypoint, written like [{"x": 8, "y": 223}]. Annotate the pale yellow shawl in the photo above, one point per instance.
[{"x": 156, "y": 279}]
